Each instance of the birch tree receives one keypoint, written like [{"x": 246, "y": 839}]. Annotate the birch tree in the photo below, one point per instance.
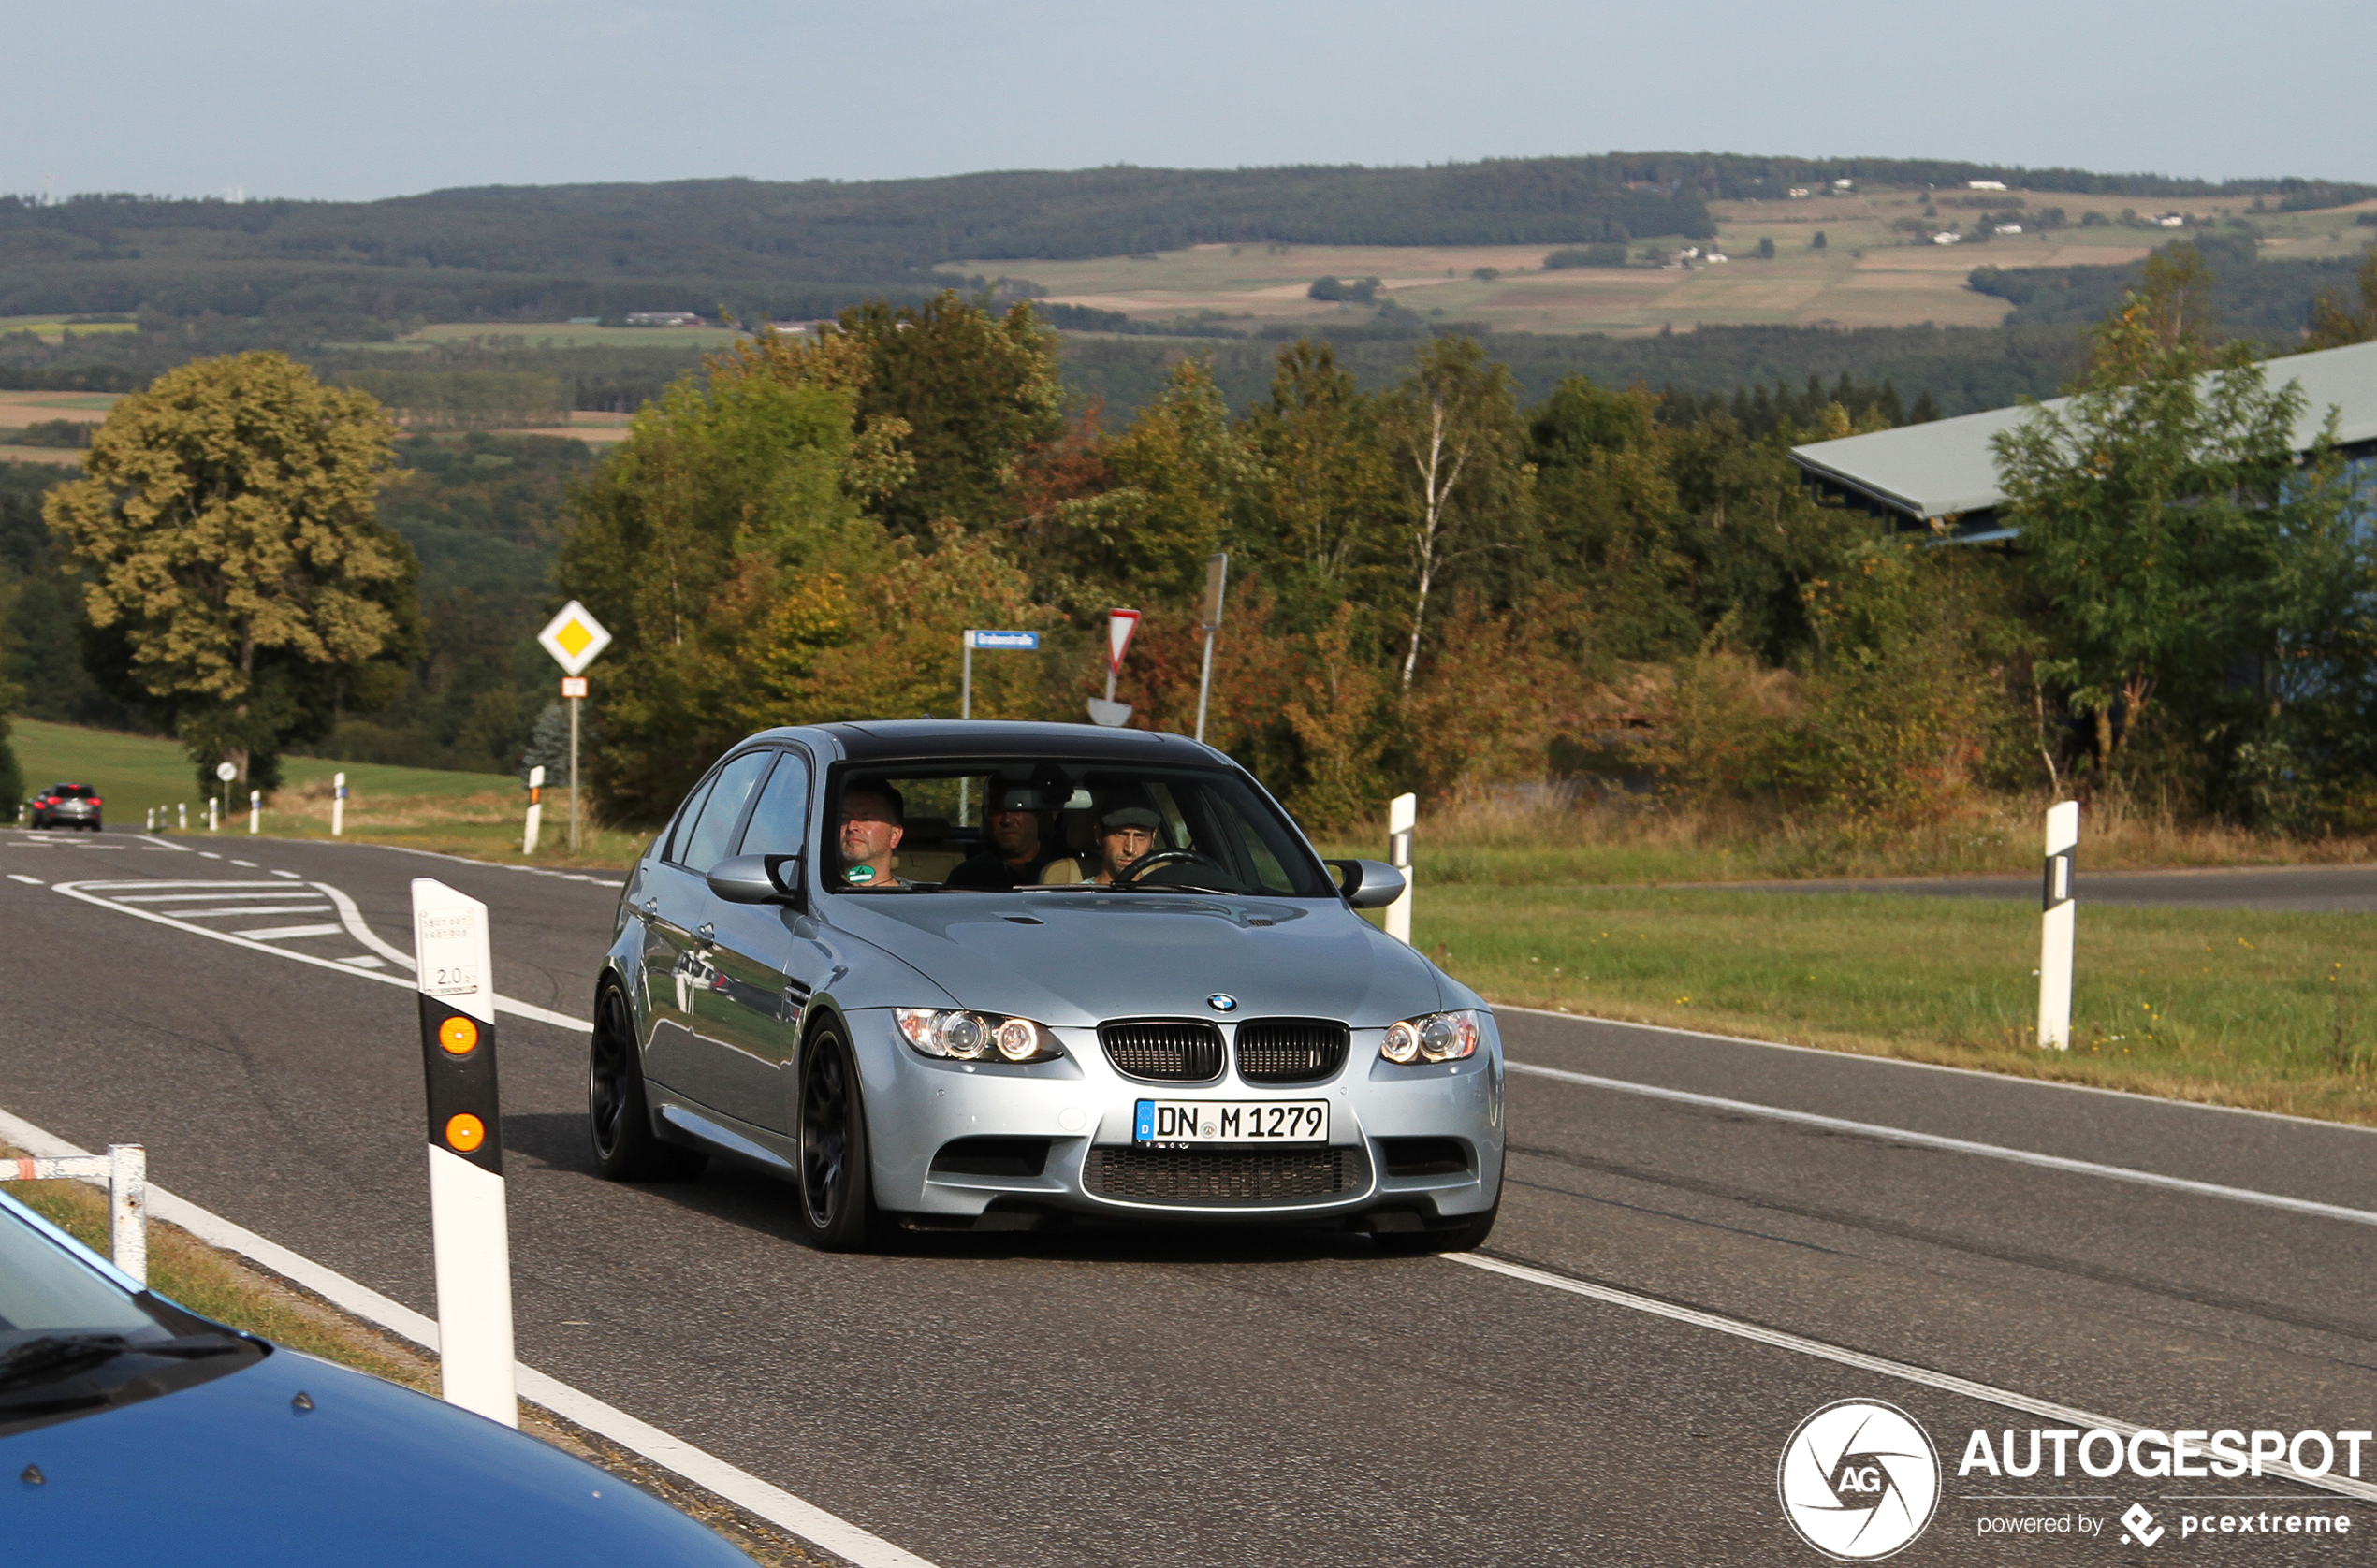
[{"x": 1453, "y": 429}]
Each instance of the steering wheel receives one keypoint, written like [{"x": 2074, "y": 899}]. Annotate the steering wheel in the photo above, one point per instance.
[{"x": 1144, "y": 864}]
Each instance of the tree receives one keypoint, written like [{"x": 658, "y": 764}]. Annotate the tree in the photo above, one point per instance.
[
  {"x": 1453, "y": 432},
  {"x": 2179, "y": 549},
  {"x": 974, "y": 392},
  {"x": 1815, "y": 242},
  {"x": 1328, "y": 491},
  {"x": 1766, "y": 247},
  {"x": 2334, "y": 323},
  {"x": 238, "y": 581},
  {"x": 716, "y": 543}
]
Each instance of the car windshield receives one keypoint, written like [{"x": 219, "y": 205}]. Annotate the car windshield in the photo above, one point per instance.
[
  {"x": 71, "y": 792},
  {"x": 44, "y": 1291},
  {"x": 961, "y": 826}
]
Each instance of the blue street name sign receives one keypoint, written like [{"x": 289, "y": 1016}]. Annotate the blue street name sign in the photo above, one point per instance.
[{"x": 1027, "y": 641}]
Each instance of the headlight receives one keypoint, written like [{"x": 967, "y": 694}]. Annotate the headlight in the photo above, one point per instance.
[
  {"x": 1440, "y": 1037},
  {"x": 970, "y": 1037}
]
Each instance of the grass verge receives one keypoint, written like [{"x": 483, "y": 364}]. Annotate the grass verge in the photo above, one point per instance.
[
  {"x": 219, "y": 1286},
  {"x": 478, "y": 815},
  {"x": 2269, "y": 1012}
]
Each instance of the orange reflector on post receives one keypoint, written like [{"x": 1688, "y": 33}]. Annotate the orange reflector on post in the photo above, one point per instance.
[
  {"x": 465, "y": 1132},
  {"x": 459, "y": 1035}
]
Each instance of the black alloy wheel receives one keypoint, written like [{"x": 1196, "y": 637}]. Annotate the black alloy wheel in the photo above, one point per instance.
[
  {"x": 619, "y": 1117},
  {"x": 837, "y": 1208}
]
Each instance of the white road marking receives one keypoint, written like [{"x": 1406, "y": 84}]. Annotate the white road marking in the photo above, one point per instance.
[
  {"x": 249, "y": 864},
  {"x": 254, "y": 909},
  {"x": 290, "y": 875},
  {"x": 2055, "y": 1084},
  {"x": 153, "y": 840},
  {"x": 209, "y": 855},
  {"x": 29, "y": 881},
  {"x": 366, "y": 961},
  {"x": 1958, "y": 1145},
  {"x": 286, "y": 933},
  {"x": 771, "y": 1502},
  {"x": 215, "y": 893},
  {"x": 101, "y": 894},
  {"x": 2062, "y": 1415}
]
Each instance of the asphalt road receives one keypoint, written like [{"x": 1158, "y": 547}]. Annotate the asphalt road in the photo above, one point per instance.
[
  {"x": 1188, "y": 1400},
  {"x": 2304, "y": 889}
]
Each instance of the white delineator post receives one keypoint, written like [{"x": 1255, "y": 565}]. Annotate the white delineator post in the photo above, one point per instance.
[
  {"x": 255, "y": 809},
  {"x": 338, "y": 806},
  {"x": 181, "y": 815},
  {"x": 535, "y": 809},
  {"x": 1403, "y": 817},
  {"x": 214, "y": 823},
  {"x": 2055, "y": 939},
  {"x": 469, "y": 1233}
]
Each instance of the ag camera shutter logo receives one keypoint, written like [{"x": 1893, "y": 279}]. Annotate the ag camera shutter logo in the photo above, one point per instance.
[{"x": 1860, "y": 1480}]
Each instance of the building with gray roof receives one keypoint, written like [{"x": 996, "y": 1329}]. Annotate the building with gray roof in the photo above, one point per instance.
[{"x": 1942, "y": 477}]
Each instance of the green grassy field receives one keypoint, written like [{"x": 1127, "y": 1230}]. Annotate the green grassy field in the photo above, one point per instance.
[
  {"x": 2268, "y": 1010},
  {"x": 475, "y": 814}
]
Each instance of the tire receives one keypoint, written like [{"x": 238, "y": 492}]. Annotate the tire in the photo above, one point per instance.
[
  {"x": 835, "y": 1203},
  {"x": 619, "y": 1117}
]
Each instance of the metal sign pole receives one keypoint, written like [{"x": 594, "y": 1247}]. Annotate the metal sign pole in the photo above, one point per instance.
[
  {"x": 573, "y": 702},
  {"x": 2056, "y": 924},
  {"x": 1217, "y": 580},
  {"x": 468, "y": 1228}
]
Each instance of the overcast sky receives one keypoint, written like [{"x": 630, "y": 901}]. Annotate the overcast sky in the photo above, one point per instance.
[{"x": 320, "y": 98}]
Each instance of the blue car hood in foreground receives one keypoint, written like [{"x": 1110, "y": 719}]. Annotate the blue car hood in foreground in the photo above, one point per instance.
[
  {"x": 232, "y": 1472},
  {"x": 1094, "y": 956}
]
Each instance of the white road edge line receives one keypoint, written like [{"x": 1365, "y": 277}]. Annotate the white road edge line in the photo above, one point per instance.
[
  {"x": 771, "y": 1502},
  {"x": 2062, "y": 1415},
  {"x": 1956, "y": 1145},
  {"x": 2055, "y": 1084},
  {"x": 162, "y": 843},
  {"x": 503, "y": 1003}
]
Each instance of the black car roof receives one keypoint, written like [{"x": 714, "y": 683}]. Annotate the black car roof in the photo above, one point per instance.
[{"x": 902, "y": 739}]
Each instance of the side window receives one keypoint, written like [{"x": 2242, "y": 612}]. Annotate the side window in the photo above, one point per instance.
[
  {"x": 714, "y": 829},
  {"x": 680, "y": 832},
  {"x": 780, "y": 823}
]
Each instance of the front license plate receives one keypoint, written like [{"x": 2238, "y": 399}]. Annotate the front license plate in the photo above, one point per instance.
[{"x": 1179, "y": 1123}]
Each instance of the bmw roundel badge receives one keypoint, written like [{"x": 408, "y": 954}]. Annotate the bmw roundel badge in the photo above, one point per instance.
[{"x": 1221, "y": 1001}]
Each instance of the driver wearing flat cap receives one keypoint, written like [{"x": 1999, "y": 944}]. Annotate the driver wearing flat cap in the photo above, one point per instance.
[
  {"x": 1017, "y": 854},
  {"x": 1125, "y": 834}
]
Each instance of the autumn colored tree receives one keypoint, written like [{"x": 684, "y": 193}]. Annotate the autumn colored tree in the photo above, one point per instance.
[
  {"x": 237, "y": 583},
  {"x": 1327, "y": 495}
]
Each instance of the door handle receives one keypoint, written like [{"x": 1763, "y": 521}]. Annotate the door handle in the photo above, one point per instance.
[{"x": 707, "y": 932}]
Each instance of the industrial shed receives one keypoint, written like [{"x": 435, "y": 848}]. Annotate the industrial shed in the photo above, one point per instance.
[{"x": 1942, "y": 477}]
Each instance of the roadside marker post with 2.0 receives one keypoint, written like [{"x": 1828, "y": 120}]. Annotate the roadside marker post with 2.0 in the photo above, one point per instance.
[
  {"x": 575, "y": 639},
  {"x": 468, "y": 1229}
]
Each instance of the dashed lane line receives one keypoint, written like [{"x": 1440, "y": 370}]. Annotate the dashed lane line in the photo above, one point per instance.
[
  {"x": 1956, "y": 1145},
  {"x": 778, "y": 1507},
  {"x": 29, "y": 881},
  {"x": 2062, "y": 1415},
  {"x": 99, "y": 895}
]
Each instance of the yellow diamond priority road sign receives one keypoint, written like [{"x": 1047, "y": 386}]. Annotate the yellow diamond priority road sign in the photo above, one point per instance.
[{"x": 573, "y": 638}]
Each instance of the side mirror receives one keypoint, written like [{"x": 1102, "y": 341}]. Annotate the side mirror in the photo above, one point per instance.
[
  {"x": 757, "y": 880},
  {"x": 1367, "y": 884}
]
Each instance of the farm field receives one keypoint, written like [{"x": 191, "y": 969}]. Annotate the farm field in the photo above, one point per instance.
[
  {"x": 54, "y": 329},
  {"x": 1869, "y": 274},
  {"x": 556, "y": 334}
]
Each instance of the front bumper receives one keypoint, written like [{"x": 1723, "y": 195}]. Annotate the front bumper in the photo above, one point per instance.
[{"x": 958, "y": 1141}]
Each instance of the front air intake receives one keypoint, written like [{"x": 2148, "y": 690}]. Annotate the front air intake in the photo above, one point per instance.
[{"x": 1164, "y": 1049}]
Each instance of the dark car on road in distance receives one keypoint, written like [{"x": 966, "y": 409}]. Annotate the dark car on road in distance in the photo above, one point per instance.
[
  {"x": 951, "y": 976},
  {"x": 135, "y": 1431},
  {"x": 66, "y": 805}
]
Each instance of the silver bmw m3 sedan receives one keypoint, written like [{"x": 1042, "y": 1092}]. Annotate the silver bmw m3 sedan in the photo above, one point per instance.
[{"x": 998, "y": 976}]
